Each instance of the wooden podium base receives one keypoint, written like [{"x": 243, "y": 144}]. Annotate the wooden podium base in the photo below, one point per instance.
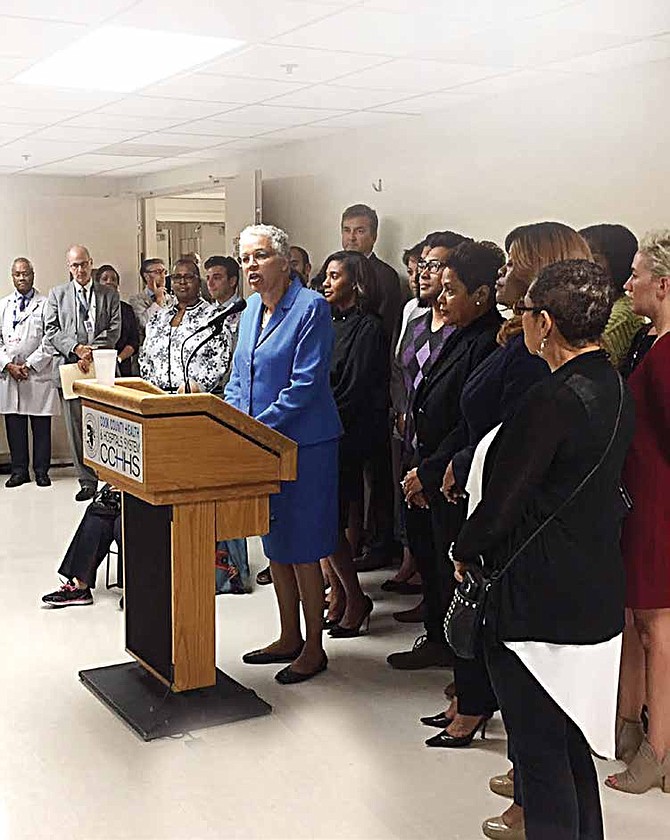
[{"x": 154, "y": 711}]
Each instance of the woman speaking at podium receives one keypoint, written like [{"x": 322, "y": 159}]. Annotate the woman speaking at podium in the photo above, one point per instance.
[{"x": 281, "y": 376}]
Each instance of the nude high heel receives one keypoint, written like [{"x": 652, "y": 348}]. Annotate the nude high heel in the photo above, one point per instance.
[
  {"x": 643, "y": 773},
  {"x": 629, "y": 736}
]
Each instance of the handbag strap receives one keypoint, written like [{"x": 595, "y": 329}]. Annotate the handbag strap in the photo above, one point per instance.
[{"x": 497, "y": 575}]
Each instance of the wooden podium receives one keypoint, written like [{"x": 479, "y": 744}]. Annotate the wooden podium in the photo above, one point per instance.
[{"x": 193, "y": 470}]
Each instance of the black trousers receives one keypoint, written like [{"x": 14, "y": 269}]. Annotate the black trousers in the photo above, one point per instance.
[
  {"x": 378, "y": 478},
  {"x": 16, "y": 426},
  {"x": 434, "y": 571},
  {"x": 473, "y": 686},
  {"x": 552, "y": 761},
  {"x": 89, "y": 547}
]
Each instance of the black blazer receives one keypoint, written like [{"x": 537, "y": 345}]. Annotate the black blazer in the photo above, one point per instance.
[
  {"x": 440, "y": 428},
  {"x": 391, "y": 296}
]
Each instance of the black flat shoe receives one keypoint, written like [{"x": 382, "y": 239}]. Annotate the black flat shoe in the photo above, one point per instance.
[
  {"x": 439, "y": 721},
  {"x": 264, "y": 577},
  {"x": 17, "y": 479},
  {"x": 262, "y": 657},
  {"x": 289, "y": 677},
  {"x": 87, "y": 492},
  {"x": 339, "y": 632},
  {"x": 444, "y": 739},
  {"x": 42, "y": 480}
]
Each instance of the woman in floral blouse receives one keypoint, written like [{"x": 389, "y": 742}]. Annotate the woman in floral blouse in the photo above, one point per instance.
[{"x": 170, "y": 328}]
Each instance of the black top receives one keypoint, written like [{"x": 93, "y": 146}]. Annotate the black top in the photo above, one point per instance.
[
  {"x": 359, "y": 378},
  {"x": 130, "y": 335},
  {"x": 567, "y": 586},
  {"x": 440, "y": 429},
  {"x": 492, "y": 393}
]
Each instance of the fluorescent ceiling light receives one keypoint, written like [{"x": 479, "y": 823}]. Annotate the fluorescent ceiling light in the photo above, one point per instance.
[{"x": 122, "y": 59}]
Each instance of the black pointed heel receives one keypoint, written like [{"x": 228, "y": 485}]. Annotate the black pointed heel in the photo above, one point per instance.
[
  {"x": 439, "y": 721},
  {"x": 339, "y": 632},
  {"x": 444, "y": 739}
]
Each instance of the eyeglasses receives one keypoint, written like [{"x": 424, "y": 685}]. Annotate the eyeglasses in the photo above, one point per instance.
[
  {"x": 433, "y": 266},
  {"x": 156, "y": 271},
  {"x": 519, "y": 309},
  {"x": 75, "y": 265}
]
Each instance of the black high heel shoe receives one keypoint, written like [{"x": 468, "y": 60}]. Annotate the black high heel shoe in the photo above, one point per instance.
[
  {"x": 339, "y": 632},
  {"x": 440, "y": 721},
  {"x": 444, "y": 739},
  {"x": 329, "y": 623}
]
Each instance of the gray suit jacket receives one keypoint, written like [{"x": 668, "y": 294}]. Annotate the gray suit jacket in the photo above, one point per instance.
[{"x": 60, "y": 327}]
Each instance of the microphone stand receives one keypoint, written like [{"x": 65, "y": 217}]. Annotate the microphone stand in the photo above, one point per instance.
[{"x": 216, "y": 330}]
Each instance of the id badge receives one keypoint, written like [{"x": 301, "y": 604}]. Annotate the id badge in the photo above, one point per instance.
[{"x": 89, "y": 327}]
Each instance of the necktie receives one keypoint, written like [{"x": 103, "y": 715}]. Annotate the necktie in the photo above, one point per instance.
[{"x": 23, "y": 303}]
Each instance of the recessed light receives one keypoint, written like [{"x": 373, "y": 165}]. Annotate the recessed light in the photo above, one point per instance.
[{"x": 122, "y": 59}]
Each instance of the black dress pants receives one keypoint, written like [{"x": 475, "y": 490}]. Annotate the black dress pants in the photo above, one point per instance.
[
  {"x": 552, "y": 761},
  {"x": 16, "y": 426},
  {"x": 434, "y": 573},
  {"x": 89, "y": 547},
  {"x": 378, "y": 478},
  {"x": 473, "y": 686}
]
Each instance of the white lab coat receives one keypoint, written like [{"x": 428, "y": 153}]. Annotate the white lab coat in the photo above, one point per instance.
[{"x": 36, "y": 395}]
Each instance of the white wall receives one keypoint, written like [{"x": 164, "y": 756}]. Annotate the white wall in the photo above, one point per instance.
[
  {"x": 41, "y": 217},
  {"x": 581, "y": 154}
]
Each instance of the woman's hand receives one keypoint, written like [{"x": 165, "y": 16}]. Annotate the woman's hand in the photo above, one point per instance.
[
  {"x": 459, "y": 570},
  {"x": 411, "y": 485},
  {"x": 400, "y": 424},
  {"x": 450, "y": 490}
]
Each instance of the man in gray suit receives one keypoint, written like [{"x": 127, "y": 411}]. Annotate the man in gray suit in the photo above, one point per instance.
[{"x": 81, "y": 316}]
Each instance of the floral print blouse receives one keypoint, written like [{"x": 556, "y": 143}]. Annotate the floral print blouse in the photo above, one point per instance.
[{"x": 160, "y": 357}]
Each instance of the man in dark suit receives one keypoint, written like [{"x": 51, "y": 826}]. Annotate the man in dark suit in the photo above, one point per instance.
[
  {"x": 360, "y": 226},
  {"x": 81, "y": 316}
]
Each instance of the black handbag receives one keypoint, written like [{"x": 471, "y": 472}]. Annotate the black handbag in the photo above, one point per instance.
[
  {"x": 464, "y": 620},
  {"x": 106, "y": 502}
]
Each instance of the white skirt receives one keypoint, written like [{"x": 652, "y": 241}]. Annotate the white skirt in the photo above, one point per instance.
[{"x": 582, "y": 679}]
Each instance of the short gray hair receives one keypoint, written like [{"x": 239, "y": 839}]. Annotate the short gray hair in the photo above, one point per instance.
[
  {"x": 277, "y": 236},
  {"x": 23, "y": 260},
  {"x": 655, "y": 246}
]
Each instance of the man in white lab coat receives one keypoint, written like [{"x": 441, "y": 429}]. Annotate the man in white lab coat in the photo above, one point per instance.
[{"x": 26, "y": 379}]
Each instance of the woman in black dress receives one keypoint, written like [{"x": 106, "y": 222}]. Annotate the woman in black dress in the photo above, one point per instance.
[
  {"x": 554, "y": 620},
  {"x": 359, "y": 378}
]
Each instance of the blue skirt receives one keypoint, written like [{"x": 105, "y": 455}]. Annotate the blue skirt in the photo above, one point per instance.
[{"x": 303, "y": 515}]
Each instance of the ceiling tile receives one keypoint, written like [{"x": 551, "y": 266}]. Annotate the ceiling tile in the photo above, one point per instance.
[
  {"x": 11, "y": 66},
  {"x": 337, "y": 97},
  {"x": 640, "y": 52},
  {"x": 40, "y": 151},
  {"x": 275, "y": 116},
  {"x": 28, "y": 97},
  {"x": 74, "y": 11},
  {"x": 148, "y": 107},
  {"x": 357, "y": 119},
  {"x": 624, "y": 18},
  {"x": 187, "y": 141},
  {"x": 428, "y": 102},
  {"x": 418, "y": 76},
  {"x": 252, "y": 20},
  {"x": 101, "y": 136},
  {"x": 37, "y": 117},
  {"x": 223, "y": 89},
  {"x": 299, "y": 132},
  {"x": 373, "y": 32},
  {"x": 118, "y": 122},
  {"x": 306, "y": 65},
  {"x": 478, "y": 11},
  {"x": 223, "y": 126},
  {"x": 87, "y": 165},
  {"x": 29, "y": 38},
  {"x": 249, "y": 144},
  {"x": 8, "y": 131}
]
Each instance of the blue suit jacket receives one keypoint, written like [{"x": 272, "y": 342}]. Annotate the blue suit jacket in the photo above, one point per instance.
[{"x": 281, "y": 376}]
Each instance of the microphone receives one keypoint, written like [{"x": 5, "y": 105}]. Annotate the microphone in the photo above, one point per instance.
[
  {"x": 216, "y": 327},
  {"x": 217, "y": 322}
]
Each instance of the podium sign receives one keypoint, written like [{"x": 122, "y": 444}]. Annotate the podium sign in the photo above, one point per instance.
[
  {"x": 113, "y": 442},
  {"x": 192, "y": 470}
]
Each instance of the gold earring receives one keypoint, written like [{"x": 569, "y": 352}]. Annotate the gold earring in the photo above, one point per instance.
[{"x": 543, "y": 347}]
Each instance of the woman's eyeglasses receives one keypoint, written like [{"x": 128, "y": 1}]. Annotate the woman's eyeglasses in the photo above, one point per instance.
[
  {"x": 519, "y": 308},
  {"x": 433, "y": 266}
]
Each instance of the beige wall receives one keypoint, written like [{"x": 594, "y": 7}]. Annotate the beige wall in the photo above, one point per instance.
[
  {"x": 40, "y": 217},
  {"x": 579, "y": 154}
]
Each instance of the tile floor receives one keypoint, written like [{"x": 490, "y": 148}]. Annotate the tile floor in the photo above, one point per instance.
[{"x": 340, "y": 757}]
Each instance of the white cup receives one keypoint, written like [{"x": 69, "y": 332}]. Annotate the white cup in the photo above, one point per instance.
[{"x": 105, "y": 366}]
